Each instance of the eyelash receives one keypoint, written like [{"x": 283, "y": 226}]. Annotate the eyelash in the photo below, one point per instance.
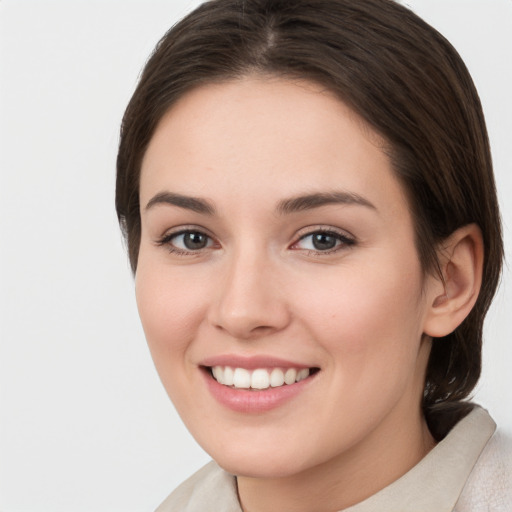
[
  {"x": 342, "y": 241},
  {"x": 166, "y": 240}
]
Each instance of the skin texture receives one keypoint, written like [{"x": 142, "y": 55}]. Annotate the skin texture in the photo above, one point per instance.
[{"x": 359, "y": 312}]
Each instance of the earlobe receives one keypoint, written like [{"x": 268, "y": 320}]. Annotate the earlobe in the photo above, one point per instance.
[{"x": 450, "y": 300}]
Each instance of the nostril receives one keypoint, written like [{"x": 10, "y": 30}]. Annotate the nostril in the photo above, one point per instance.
[
  {"x": 244, "y": 329},
  {"x": 248, "y": 305}
]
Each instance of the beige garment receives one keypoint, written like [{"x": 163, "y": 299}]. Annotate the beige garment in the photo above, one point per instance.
[{"x": 470, "y": 470}]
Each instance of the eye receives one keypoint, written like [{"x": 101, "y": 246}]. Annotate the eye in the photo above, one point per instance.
[
  {"x": 186, "y": 241},
  {"x": 323, "y": 241}
]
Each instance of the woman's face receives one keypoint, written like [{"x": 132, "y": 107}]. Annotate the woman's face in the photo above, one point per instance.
[{"x": 277, "y": 252}]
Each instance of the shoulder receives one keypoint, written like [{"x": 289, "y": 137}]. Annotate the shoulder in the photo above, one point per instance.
[
  {"x": 209, "y": 487},
  {"x": 489, "y": 486}
]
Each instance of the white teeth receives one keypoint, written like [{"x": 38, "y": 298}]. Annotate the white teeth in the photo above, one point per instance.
[
  {"x": 228, "y": 376},
  {"x": 261, "y": 378},
  {"x": 276, "y": 378},
  {"x": 242, "y": 378},
  {"x": 302, "y": 374},
  {"x": 290, "y": 375},
  {"x": 218, "y": 373}
]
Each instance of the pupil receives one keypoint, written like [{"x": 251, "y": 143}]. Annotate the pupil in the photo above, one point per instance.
[
  {"x": 195, "y": 240},
  {"x": 323, "y": 241}
]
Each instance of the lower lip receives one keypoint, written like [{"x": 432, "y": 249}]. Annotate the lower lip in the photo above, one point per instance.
[{"x": 254, "y": 401}]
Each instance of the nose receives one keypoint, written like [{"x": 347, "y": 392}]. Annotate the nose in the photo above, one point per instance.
[{"x": 251, "y": 302}]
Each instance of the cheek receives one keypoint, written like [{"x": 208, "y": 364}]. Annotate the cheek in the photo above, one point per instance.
[
  {"x": 368, "y": 324},
  {"x": 171, "y": 309},
  {"x": 367, "y": 318}
]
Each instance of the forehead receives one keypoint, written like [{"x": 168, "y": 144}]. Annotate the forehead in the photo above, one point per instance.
[{"x": 264, "y": 135}]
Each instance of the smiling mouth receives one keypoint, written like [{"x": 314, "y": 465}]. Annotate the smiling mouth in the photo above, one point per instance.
[{"x": 259, "y": 378}]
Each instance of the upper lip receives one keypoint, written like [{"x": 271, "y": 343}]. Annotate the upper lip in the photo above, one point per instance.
[{"x": 251, "y": 362}]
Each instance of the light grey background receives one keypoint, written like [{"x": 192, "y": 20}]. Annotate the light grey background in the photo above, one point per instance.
[{"x": 84, "y": 423}]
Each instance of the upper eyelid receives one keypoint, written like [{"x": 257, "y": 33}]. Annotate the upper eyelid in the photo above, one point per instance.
[
  {"x": 310, "y": 230},
  {"x": 180, "y": 230},
  {"x": 345, "y": 239},
  {"x": 300, "y": 234},
  {"x": 166, "y": 241}
]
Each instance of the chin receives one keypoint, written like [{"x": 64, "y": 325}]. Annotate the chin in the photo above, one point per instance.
[
  {"x": 258, "y": 467},
  {"x": 258, "y": 460}
]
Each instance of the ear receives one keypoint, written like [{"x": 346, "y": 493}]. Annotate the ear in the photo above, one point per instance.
[{"x": 461, "y": 259}]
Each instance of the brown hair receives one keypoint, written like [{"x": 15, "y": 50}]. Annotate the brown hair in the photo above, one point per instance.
[{"x": 397, "y": 73}]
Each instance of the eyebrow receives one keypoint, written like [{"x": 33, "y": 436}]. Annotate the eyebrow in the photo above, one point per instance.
[
  {"x": 310, "y": 201},
  {"x": 189, "y": 203},
  {"x": 286, "y": 206}
]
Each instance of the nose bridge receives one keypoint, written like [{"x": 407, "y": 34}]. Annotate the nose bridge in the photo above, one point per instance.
[{"x": 249, "y": 302}]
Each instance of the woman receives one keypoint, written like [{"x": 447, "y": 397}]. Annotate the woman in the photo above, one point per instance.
[{"x": 307, "y": 194}]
